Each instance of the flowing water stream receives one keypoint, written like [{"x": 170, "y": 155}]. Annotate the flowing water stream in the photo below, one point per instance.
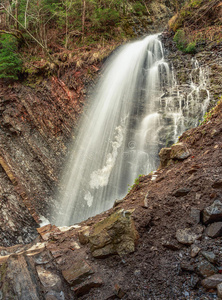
[{"x": 136, "y": 110}]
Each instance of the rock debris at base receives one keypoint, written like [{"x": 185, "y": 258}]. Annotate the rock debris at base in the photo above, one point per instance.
[{"x": 176, "y": 238}]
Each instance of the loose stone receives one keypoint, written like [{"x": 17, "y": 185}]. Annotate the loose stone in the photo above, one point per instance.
[
  {"x": 48, "y": 279},
  {"x": 219, "y": 290},
  {"x": 210, "y": 256},
  {"x": 77, "y": 273},
  {"x": 85, "y": 287},
  {"x": 164, "y": 157},
  {"x": 194, "y": 250},
  {"x": 195, "y": 215},
  {"x": 217, "y": 184},
  {"x": 213, "y": 213},
  {"x": 214, "y": 230},
  {"x": 212, "y": 281},
  {"x": 179, "y": 152},
  {"x": 181, "y": 192},
  {"x": 205, "y": 268},
  {"x": 186, "y": 236},
  {"x": 84, "y": 235}
]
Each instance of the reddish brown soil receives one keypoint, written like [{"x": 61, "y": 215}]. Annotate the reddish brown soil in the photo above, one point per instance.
[{"x": 154, "y": 271}]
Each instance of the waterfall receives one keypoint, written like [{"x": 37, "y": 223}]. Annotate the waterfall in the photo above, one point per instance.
[{"x": 135, "y": 110}]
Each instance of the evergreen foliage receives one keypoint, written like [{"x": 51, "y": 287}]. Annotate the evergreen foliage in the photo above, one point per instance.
[
  {"x": 105, "y": 18},
  {"x": 182, "y": 42},
  {"x": 49, "y": 26},
  {"x": 73, "y": 18},
  {"x": 10, "y": 63}
]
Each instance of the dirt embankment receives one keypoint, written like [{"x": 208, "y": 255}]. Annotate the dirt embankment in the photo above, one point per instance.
[{"x": 177, "y": 212}]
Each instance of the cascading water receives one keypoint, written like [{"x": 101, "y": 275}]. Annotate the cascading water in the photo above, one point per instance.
[{"x": 123, "y": 130}]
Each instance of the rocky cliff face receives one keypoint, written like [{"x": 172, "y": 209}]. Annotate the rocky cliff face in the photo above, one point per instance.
[{"x": 37, "y": 122}]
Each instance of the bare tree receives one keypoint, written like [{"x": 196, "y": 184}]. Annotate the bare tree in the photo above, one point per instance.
[
  {"x": 44, "y": 47},
  {"x": 25, "y": 16},
  {"x": 83, "y": 15},
  {"x": 67, "y": 5}
]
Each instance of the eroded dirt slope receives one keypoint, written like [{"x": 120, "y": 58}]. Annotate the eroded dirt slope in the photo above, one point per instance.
[{"x": 178, "y": 249}]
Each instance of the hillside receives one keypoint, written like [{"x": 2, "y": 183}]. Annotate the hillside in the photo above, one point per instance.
[
  {"x": 177, "y": 214},
  {"x": 167, "y": 237},
  {"x": 40, "y": 111}
]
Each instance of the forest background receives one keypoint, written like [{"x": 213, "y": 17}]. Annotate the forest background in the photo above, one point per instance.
[{"x": 33, "y": 31}]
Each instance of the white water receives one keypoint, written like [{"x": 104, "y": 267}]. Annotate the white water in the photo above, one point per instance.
[{"x": 123, "y": 130}]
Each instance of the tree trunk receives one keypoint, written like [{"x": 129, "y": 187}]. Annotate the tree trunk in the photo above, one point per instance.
[
  {"x": 16, "y": 14},
  {"x": 26, "y": 9},
  {"x": 83, "y": 16}
]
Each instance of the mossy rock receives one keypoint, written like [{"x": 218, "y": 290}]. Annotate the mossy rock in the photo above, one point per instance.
[{"x": 115, "y": 234}]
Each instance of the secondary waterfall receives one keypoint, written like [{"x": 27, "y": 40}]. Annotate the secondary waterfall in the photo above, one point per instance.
[{"x": 136, "y": 110}]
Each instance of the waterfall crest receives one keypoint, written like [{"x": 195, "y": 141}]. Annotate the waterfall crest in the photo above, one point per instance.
[{"x": 123, "y": 130}]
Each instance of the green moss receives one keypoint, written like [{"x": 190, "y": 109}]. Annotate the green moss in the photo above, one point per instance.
[
  {"x": 195, "y": 3},
  {"x": 3, "y": 270},
  {"x": 138, "y": 8},
  {"x": 107, "y": 222},
  {"x": 208, "y": 115},
  {"x": 136, "y": 183},
  {"x": 182, "y": 42}
]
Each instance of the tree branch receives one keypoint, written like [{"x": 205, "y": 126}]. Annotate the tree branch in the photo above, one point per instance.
[{"x": 29, "y": 33}]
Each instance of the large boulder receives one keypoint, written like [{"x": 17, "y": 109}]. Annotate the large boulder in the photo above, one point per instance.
[
  {"x": 115, "y": 234},
  {"x": 179, "y": 152}
]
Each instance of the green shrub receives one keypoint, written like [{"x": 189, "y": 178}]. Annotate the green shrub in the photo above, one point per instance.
[
  {"x": 10, "y": 63},
  {"x": 182, "y": 42},
  {"x": 180, "y": 39},
  {"x": 136, "y": 183},
  {"x": 191, "y": 48}
]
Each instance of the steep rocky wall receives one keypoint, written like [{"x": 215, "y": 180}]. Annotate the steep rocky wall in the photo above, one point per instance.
[
  {"x": 182, "y": 63},
  {"x": 37, "y": 121}
]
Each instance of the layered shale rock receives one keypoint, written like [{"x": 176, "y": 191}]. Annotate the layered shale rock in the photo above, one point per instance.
[{"x": 36, "y": 125}]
